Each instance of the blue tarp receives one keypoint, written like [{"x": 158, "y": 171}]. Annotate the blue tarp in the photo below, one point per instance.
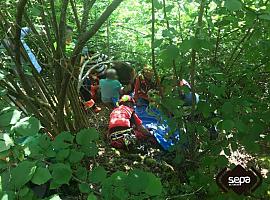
[
  {"x": 24, "y": 32},
  {"x": 151, "y": 120}
]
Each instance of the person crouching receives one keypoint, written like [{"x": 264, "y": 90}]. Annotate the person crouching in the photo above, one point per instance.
[{"x": 125, "y": 127}]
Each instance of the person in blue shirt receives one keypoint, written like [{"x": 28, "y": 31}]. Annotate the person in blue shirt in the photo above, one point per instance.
[{"x": 110, "y": 88}]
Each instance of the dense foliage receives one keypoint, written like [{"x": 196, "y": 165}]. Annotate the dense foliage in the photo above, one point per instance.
[{"x": 222, "y": 47}]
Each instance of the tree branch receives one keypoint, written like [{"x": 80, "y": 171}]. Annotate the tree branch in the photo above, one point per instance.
[
  {"x": 74, "y": 9},
  {"x": 20, "y": 10},
  {"x": 87, "y": 35},
  {"x": 87, "y": 5}
]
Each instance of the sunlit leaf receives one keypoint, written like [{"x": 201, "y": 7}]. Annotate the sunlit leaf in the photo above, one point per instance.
[
  {"x": 27, "y": 126},
  {"x": 5, "y": 142},
  {"x": 9, "y": 117},
  {"x": 23, "y": 173}
]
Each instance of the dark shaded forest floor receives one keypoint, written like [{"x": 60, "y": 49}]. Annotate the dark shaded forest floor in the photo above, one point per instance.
[
  {"x": 143, "y": 155},
  {"x": 150, "y": 158}
]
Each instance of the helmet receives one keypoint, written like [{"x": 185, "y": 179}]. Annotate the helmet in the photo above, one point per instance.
[{"x": 126, "y": 98}]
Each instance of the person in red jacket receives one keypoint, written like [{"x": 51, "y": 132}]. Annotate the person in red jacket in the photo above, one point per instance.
[
  {"x": 144, "y": 83},
  {"x": 125, "y": 126}
]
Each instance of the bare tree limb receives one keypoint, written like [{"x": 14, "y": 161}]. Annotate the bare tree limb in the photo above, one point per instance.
[
  {"x": 87, "y": 5},
  {"x": 20, "y": 10},
  {"x": 87, "y": 35},
  {"x": 74, "y": 9}
]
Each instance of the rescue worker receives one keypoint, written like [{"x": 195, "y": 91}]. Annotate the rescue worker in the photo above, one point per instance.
[
  {"x": 111, "y": 88},
  {"x": 125, "y": 126},
  {"x": 143, "y": 84},
  {"x": 88, "y": 92}
]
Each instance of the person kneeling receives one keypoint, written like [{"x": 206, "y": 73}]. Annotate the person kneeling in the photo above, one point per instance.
[
  {"x": 125, "y": 127},
  {"x": 88, "y": 93}
]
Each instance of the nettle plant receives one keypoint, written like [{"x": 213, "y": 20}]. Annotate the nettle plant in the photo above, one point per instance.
[{"x": 33, "y": 166}]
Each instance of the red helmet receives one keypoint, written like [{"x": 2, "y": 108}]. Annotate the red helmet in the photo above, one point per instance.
[{"x": 126, "y": 98}]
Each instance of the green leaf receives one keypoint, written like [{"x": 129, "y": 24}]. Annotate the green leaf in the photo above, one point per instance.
[
  {"x": 62, "y": 154},
  {"x": 41, "y": 176},
  {"x": 84, "y": 188},
  {"x": 75, "y": 156},
  {"x": 9, "y": 117},
  {"x": 63, "y": 140},
  {"x": 44, "y": 141},
  {"x": 98, "y": 175},
  {"x": 90, "y": 150},
  {"x": 54, "y": 185},
  {"x": 241, "y": 126},
  {"x": 157, "y": 4},
  {"x": 35, "y": 11},
  {"x": 121, "y": 193},
  {"x": 23, "y": 173},
  {"x": 61, "y": 173},
  {"x": 227, "y": 108},
  {"x": 221, "y": 161},
  {"x": 169, "y": 8},
  {"x": 118, "y": 178},
  {"x": 216, "y": 90},
  {"x": 208, "y": 161},
  {"x": 265, "y": 16},
  {"x": 157, "y": 43},
  {"x": 8, "y": 195},
  {"x": 27, "y": 126},
  {"x": 170, "y": 53},
  {"x": 204, "y": 108},
  {"x": 86, "y": 136},
  {"x": 81, "y": 173},
  {"x": 91, "y": 197},
  {"x": 227, "y": 124},
  {"x": 167, "y": 33},
  {"x": 154, "y": 187},
  {"x": 233, "y": 5},
  {"x": 107, "y": 189},
  {"x": 5, "y": 142},
  {"x": 50, "y": 153},
  {"x": 137, "y": 181},
  {"x": 23, "y": 191}
]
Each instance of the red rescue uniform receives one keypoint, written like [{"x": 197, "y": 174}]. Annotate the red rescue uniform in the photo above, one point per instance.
[{"x": 123, "y": 118}]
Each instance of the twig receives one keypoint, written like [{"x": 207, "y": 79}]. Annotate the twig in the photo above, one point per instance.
[{"x": 184, "y": 195}]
